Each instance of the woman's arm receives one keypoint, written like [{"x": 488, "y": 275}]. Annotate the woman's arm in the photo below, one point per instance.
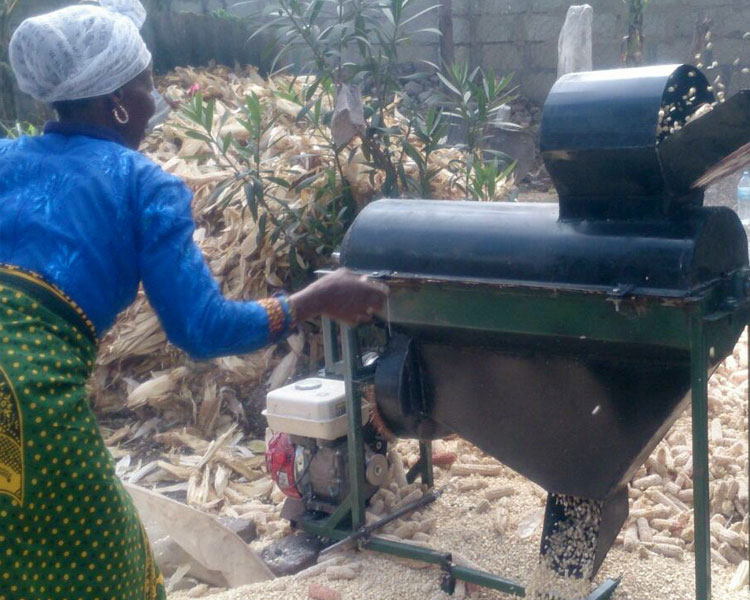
[{"x": 194, "y": 313}]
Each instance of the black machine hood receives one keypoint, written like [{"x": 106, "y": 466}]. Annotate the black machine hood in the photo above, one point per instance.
[{"x": 526, "y": 243}]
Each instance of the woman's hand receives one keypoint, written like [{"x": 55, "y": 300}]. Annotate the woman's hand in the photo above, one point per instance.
[{"x": 342, "y": 296}]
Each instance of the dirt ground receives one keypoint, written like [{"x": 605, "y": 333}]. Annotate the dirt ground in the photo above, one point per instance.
[{"x": 461, "y": 530}]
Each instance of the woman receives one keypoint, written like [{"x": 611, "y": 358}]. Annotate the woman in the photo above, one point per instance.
[{"x": 83, "y": 219}]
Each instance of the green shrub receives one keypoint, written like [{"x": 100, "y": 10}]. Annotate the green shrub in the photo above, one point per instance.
[{"x": 353, "y": 45}]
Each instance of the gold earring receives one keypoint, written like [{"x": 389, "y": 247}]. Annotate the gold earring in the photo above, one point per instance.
[{"x": 121, "y": 115}]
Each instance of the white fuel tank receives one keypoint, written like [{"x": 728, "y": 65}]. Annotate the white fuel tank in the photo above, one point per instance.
[{"x": 314, "y": 408}]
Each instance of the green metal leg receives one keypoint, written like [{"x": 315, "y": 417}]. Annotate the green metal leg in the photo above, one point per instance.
[
  {"x": 425, "y": 451},
  {"x": 423, "y": 467},
  {"x": 469, "y": 575},
  {"x": 605, "y": 590},
  {"x": 340, "y": 514},
  {"x": 488, "y": 580},
  {"x": 355, "y": 438},
  {"x": 445, "y": 562},
  {"x": 701, "y": 511}
]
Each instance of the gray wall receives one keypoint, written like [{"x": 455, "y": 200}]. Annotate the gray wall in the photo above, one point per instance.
[
  {"x": 518, "y": 36},
  {"x": 521, "y": 35}
]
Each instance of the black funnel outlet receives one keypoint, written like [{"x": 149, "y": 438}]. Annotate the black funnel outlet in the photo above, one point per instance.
[{"x": 578, "y": 532}]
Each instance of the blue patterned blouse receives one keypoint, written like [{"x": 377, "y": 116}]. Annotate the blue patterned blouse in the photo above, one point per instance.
[{"x": 95, "y": 218}]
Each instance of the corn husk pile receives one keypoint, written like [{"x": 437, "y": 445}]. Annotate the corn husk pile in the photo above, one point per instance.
[
  {"x": 169, "y": 419},
  {"x": 291, "y": 148}
]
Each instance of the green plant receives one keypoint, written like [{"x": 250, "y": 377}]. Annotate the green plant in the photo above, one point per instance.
[
  {"x": 633, "y": 42},
  {"x": 486, "y": 178},
  {"x": 473, "y": 98},
  {"x": 351, "y": 42},
  {"x": 429, "y": 130},
  {"x": 18, "y": 129},
  {"x": 221, "y": 13},
  {"x": 308, "y": 231}
]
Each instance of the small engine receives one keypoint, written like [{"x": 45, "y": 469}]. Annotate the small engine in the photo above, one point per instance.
[{"x": 308, "y": 454}]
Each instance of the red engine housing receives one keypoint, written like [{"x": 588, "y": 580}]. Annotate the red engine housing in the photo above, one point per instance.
[{"x": 280, "y": 464}]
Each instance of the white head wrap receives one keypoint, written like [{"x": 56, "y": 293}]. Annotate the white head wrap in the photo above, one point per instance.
[
  {"x": 80, "y": 51},
  {"x": 132, "y": 9}
]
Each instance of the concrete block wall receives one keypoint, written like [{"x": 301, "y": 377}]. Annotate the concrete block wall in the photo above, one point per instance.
[{"x": 520, "y": 36}]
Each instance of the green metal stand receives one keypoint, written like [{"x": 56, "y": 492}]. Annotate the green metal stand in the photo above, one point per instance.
[
  {"x": 701, "y": 506},
  {"x": 355, "y": 437}
]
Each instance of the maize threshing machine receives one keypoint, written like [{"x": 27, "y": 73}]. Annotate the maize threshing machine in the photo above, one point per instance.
[{"x": 562, "y": 340}]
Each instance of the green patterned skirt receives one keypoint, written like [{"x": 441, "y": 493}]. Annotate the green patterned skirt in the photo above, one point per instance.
[{"x": 68, "y": 529}]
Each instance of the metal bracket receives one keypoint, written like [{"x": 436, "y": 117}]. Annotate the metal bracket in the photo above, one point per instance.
[
  {"x": 423, "y": 467},
  {"x": 447, "y": 581},
  {"x": 622, "y": 290}
]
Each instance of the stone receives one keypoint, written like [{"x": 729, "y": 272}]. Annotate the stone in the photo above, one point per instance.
[
  {"x": 574, "y": 46},
  {"x": 408, "y": 68},
  {"x": 348, "y": 116},
  {"x": 428, "y": 98},
  {"x": 413, "y": 88},
  {"x": 246, "y": 530},
  {"x": 518, "y": 144},
  {"x": 291, "y": 554}
]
